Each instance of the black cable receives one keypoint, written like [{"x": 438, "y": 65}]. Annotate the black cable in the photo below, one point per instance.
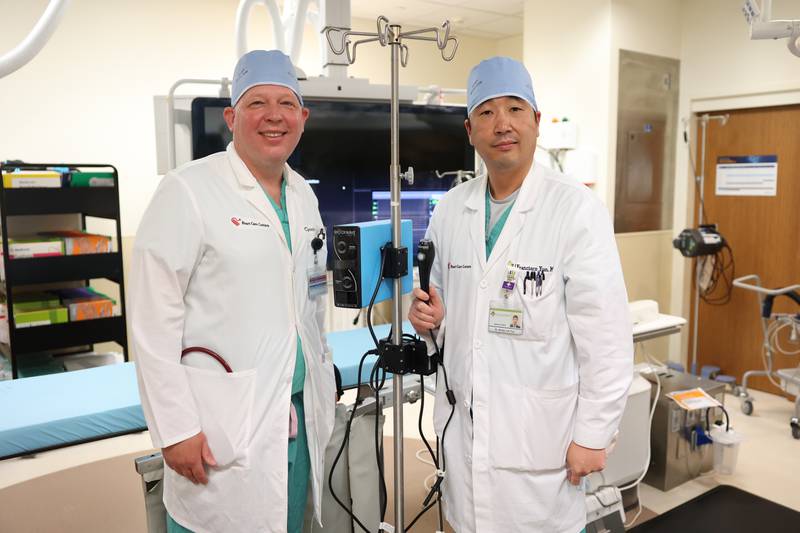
[
  {"x": 723, "y": 263},
  {"x": 424, "y": 510},
  {"x": 436, "y": 489},
  {"x": 375, "y": 294},
  {"x": 376, "y": 387},
  {"x": 419, "y": 423}
]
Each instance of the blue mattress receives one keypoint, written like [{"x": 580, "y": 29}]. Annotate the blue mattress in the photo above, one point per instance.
[{"x": 45, "y": 412}]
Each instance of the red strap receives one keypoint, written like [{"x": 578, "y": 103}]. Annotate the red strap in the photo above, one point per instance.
[{"x": 213, "y": 354}]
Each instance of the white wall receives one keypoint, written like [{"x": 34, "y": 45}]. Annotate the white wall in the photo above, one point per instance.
[
  {"x": 573, "y": 56},
  {"x": 88, "y": 96},
  {"x": 567, "y": 52}
]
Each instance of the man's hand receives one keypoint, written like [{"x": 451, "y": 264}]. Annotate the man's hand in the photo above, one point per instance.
[
  {"x": 426, "y": 311},
  {"x": 187, "y": 458},
  {"x": 583, "y": 461}
]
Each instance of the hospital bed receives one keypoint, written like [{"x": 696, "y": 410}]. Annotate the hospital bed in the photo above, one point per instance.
[{"x": 47, "y": 412}]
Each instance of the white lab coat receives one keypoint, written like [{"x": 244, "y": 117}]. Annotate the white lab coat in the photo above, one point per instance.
[
  {"x": 211, "y": 268},
  {"x": 565, "y": 378}
]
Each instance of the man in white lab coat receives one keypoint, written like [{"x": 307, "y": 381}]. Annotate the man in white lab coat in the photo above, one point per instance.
[
  {"x": 229, "y": 267},
  {"x": 539, "y": 397}
]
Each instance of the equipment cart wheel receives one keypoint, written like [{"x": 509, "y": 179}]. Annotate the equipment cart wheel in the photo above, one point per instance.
[
  {"x": 795, "y": 428},
  {"x": 747, "y": 407}
]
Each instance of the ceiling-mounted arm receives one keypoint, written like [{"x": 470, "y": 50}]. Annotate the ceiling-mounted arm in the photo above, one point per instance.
[
  {"x": 36, "y": 39},
  {"x": 763, "y": 27},
  {"x": 242, "y": 16}
]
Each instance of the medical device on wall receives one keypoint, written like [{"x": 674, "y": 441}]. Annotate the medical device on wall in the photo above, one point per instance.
[
  {"x": 358, "y": 264},
  {"x": 693, "y": 242},
  {"x": 759, "y": 17}
]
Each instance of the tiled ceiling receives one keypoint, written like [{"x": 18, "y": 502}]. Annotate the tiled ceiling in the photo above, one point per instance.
[{"x": 492, "y": 19}]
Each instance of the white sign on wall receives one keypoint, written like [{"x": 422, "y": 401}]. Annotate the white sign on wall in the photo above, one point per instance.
[{"x": 748, "y": 175}]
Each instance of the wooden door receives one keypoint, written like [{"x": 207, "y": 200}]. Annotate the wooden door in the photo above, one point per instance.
[{"x": 764, "y": 233}]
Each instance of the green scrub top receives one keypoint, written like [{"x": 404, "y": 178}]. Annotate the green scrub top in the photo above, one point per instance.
[
  {"x": 299, "y": 461},
  {"x": 494, "y": 234}
]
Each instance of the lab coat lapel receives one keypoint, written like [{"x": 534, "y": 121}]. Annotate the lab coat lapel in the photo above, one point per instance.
[
  {"x": 250, "y": 189},
  {"x": 516, "y": 219},
  {"x": 293, "y": 208},
  {"x": 476, "y": 213}
]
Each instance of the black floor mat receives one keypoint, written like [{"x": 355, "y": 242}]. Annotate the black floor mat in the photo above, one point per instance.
[{"x": 725, "y": 509}]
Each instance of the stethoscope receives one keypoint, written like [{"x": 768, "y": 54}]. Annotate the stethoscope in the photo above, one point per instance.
[
  {"x": 214, "y": 355},
  {"x": 316, "y": 245}
]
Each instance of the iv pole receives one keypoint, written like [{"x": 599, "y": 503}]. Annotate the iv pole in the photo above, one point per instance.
[
  {"x": 391, "y": 35},
  {"x": 700, "y": 180}
]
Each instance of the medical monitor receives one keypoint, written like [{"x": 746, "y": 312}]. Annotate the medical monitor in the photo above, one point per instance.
[{"x": 344, "y": 154}]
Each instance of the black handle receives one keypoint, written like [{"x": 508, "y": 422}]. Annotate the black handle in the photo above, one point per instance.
[{"x": 425, "y": 255}]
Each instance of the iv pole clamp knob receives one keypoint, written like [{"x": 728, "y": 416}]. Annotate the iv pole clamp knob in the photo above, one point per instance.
[{"x": 408, "y": 175}]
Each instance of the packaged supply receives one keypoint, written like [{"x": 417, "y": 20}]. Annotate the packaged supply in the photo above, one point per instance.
[
  {"x": 91, "y": 179},
  {"x": 38, "y": 246},
  {"x": 24, "y": 179},
  {"x": 35, "y": 300},
  {"x": 80, "y": 242},
  {"x": 40, "y": 317},
  {"x": 84, "y": 303}
]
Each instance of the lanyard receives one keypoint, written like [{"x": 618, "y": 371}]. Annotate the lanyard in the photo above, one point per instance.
[{"x": 494, "y": 234}]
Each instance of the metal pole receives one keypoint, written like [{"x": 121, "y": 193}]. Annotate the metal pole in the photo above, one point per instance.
[
  {"x": 397, "y": 301},
  {"x": 699, "y": 218}
]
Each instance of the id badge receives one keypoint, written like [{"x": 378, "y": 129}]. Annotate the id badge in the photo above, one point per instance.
[
  {"x": 317, "y": 281},
  {"x": 505, "y": 317}
]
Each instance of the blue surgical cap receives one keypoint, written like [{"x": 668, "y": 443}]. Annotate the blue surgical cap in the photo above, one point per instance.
[
  {"x": 263, "y": 67},
  {"x": 496, "y": 77}
]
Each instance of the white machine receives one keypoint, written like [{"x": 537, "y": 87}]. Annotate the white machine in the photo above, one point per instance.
[{"x": 763, "y": 27}]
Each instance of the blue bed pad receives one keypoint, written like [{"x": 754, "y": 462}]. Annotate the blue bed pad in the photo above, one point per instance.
[{"x": 45, "y": 412}]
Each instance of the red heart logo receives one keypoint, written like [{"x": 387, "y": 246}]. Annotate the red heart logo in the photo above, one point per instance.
[{"x": 235, "y": 221}]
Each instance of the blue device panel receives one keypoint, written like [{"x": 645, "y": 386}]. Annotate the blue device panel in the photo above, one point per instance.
[{"x": 373, "y": 235}]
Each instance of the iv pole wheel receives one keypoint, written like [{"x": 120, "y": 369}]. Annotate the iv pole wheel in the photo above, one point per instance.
[
  {"x": 795, "y": 423},
  {"x": 747, "y": 407}
]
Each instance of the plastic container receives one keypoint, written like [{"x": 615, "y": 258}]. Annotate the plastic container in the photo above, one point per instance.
[{"x": 726, "y": 450}]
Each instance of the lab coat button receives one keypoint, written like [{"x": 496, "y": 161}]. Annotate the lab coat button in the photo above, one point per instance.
[
  {"x": 469, "y": 459},
  {"x": 484, "y": 284},
  {"x": 466, "y": 404},
  {"x": 477, "y": 344}
]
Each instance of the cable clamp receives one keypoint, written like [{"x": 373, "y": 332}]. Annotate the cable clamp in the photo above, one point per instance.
[
  {"x": 389, "y": 528},
  {"x": 440, "y": 473}
]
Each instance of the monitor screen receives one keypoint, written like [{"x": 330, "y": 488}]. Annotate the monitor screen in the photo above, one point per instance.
[{"x": 344, "y": 154}]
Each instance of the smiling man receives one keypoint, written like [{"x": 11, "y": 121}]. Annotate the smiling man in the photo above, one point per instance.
[
  {"x": 537, "y": 403},
  {"x": 224, "y": 273}
]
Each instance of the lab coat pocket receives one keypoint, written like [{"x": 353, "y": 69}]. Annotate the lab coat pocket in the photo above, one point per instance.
[
  {"x": 225, "y": 404},
  {"x": 530, "y": 429},
  {"x": 540, "y": 310}
]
